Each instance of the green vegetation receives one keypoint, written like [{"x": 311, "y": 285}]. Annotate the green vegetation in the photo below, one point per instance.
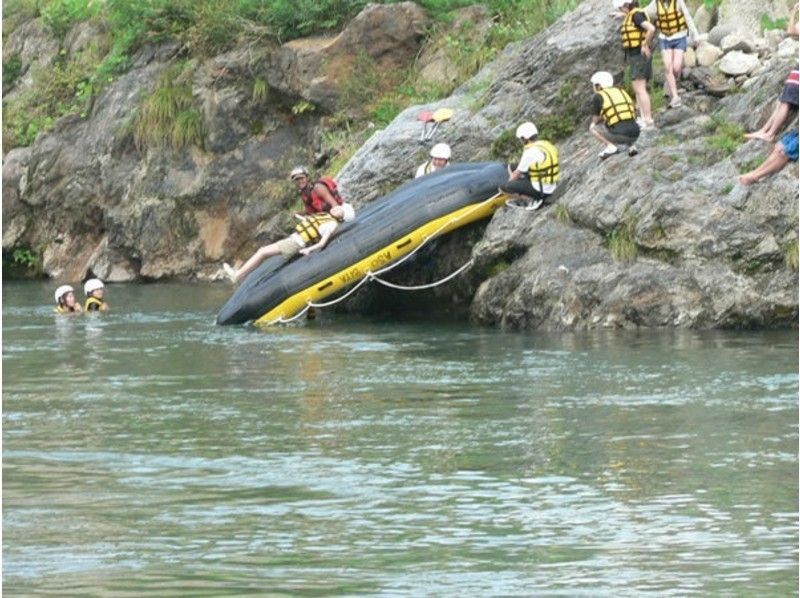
[
  {"x": 751, "y": 164},
  {"x": 21, "y": 262},
  {"x": 11, "y": 71},
  {"x": 506, "y": 146},
  {"x": 727, "y": 135},
  {"x": 791, "y": 256},
  {"x": 168, "y": 117},
  {"x": 767, "y": 23},
  {"x": 498, "y": 268},
  {"x": 561, "y": 214},
  {"x": 562, "y": 124},
  {"x": 260, "y": 90},
  {"x": 620, "y": 242}
]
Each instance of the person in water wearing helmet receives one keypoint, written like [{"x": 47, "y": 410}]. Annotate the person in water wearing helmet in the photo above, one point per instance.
[
  {"x": 316, "y": 229},
  {"x": 440, "y": 157},
  {"x": 537, "y": 173},
  {"x": 95, "y": 291},
  {"x": 675, "y": 27},
  {"x": 318, "y": 196},
  {"x": 613, "y": 116},
  {"x": 65, "y": 300},
  {"x": 637, "y": 33}
]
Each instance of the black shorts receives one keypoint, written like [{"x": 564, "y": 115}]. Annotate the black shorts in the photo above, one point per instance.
[
  {"x": 790, "y": 94},
  {"x": 640, "y": 66},
  {"x": 523, "y": 186},
  {"x": 624, "y": 133}
]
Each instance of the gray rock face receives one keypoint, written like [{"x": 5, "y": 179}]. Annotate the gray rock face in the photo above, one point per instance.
[
  {"x": 738, "y": 63},
  {"x": 707, "y": 251},
  {"x": 35, "y": 46}
]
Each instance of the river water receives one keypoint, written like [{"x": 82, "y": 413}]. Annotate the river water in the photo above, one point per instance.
[{"x": 148, "y": 451}]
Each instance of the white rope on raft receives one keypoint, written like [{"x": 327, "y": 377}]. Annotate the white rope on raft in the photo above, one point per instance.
[{"x": 369, "y": 275}]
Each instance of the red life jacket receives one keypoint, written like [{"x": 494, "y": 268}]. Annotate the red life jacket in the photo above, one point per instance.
[{"x": 314, "y": 202}]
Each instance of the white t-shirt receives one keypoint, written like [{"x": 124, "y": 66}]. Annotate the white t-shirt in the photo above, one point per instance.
[
  {"x": 425, "y": 169},
  {"x": 531, "y": 156}
]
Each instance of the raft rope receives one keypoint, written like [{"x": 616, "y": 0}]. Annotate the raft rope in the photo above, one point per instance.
[{"x": 369, "y": 275}]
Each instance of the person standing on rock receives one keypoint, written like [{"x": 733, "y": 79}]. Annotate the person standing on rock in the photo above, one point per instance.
[
  {"x": 613, "y": 116},
  {"x": 675, "y": 26},
  {"x": 537, "y": 173},
  {"x": 637, "y": 33},
  {"x": 440, "y": 158},
  {"x": 319, "y": 196}
]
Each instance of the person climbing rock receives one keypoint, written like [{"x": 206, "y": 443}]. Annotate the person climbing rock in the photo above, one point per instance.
[
  {"x": 440, "y": 158},
  {"x": 316, "y": 229},
  {"x": 637, "y": 33},
  {"x": 94, "y": 289},
  {"x": 537, "y": 174},
  {"x": 787, "y": 104},
  {"x": 613, "y": 116},
  {"x": 675, "y": 28},
  {"x": 65, "y": 300},
  {"x": 783, "y": 152},
  {"x": 318, "y": 196}
]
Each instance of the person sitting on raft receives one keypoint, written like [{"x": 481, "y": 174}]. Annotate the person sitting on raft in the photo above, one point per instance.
[
  {"x": 613, "y": 116},
  {"x": 94, "y": 289},
  {"x": 316, "y": 229},
  {"x": 537, "y": 173},
  {"x": 318, "y": 196},
  {"x": 65, "y": 300},
  {"x": 440, "y": 158}
]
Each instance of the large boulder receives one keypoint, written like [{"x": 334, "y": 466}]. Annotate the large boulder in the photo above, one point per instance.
[
  {"x": 384, "y": 36},
  {"x": 746, "y": 15},
  {"x": 707, "y": 54},
  {"x": 738, "y": 63}
]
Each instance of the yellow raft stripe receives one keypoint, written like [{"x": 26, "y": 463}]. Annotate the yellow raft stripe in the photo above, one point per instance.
[{"x": 381, "y": 258}]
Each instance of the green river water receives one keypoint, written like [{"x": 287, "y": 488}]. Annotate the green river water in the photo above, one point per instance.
[{"x": 149, "y": 452}]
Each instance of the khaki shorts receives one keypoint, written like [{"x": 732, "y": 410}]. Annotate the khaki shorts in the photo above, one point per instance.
[{"x": 288, "y": 247}]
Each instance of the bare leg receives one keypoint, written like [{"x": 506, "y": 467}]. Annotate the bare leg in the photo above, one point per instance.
[
  {"x": 597, "y": 134},
  {"x": 668, "y": 56},
  {"x": 773, "y": 124},
  {"x": 677, "y": 67},
  {"x": 254, "y": 260},
  {"x": 643, "y": 99},
  {"x": 774, "y": 162}
]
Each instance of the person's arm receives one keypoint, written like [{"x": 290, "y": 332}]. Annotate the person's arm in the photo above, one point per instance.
[
  {"x": 103, "y": 306},
  {"x": 325, "y": 194},
  {"x": 323, "y": 240},
  {"x": 694, "y": 34},
  {"x": 650, "y": 31},
  {"x": 597, "y": 110}
]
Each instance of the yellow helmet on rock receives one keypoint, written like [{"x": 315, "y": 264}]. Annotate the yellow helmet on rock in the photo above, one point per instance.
[
  {"x": 527, "y": 130},
  {"x": 603, "y": 79}
]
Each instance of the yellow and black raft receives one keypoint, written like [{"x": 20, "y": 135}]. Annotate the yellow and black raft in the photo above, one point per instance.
[{"x": 382, "y": 233}]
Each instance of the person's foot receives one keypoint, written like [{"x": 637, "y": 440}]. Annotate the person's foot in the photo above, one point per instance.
[
  {"x": 676, "y": 102},
  {"x": 746, "y": 179},
  {"x": 632, "y": 151},
  {"x": 609, "y": 150},
  {"x": 760, "y": 135},
  {"x": 534, "y": 204},
  {"x": 229, "y": 271}
]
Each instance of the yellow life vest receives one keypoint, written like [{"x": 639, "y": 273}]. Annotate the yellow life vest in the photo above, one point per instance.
[
  {"x": 308, "y": 229},
  {"x": 617, "y": 106},
  {"x": 545, "y": 172},
  {"x": 63, "y": 309},
  {"x": 632, "y": 36},
  {"x": 669, "y": 19},
  {"x": 92, "y": 304}
]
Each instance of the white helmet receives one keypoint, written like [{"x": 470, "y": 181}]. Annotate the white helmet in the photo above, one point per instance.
[
  {"x": 441, "y": 150},
  {"x": 620, "y": 3},
  {"x": 527, "y": 130},
  {"x": 63, "y": 290},
  {"x": 349, "y": 212},
  {"x": 92, "y": 285},
  {"x": 603, "y": 79},
  {"x": 298, "y": 171}
]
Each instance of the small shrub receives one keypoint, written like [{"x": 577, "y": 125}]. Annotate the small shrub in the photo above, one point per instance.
[
  {"x": 25, "y": 257},
  {"x": 260, "y": 90},
  {"x": 61, "y": 15},
  {"x": 620, "y": 242},
  {"x": 303, "y": 107},
  {"x": 727, "y": 135},
  {"x": 561, "y": 213},
  {"x": 11, "y": 71},
  {"x": 767, "y": 23},
  {"x": 506, "y": 146}
]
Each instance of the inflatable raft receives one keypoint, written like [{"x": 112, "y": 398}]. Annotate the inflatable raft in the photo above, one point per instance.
[{"x": 383, "y": 232}]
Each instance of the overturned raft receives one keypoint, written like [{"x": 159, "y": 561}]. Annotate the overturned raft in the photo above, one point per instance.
[{"x": 383, "y": 232}]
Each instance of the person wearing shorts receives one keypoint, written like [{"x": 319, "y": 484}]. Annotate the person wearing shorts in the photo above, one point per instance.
[
  {"x": 316, "y": 229},
  {"x": 613, "y": 116},
  {"x": 637, "y": 33},
  {"x": 675, "y": 25},
  {"x": 783, "y": 152},
  {"x": 787, "y": 104}
]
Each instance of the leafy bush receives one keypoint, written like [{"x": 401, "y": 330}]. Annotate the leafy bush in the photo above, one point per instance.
[
  {"x": 727, "y": 135},
  {"x": 11, "y": 71},
  {"x": 620, "y": 242}
]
